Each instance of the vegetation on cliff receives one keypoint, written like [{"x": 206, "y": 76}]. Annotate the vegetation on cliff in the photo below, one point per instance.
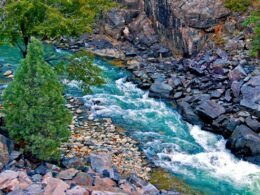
[{"x": 35, "y": 114}]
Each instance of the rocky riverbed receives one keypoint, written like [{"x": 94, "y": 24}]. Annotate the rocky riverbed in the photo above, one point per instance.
[
  {"x": 217, "y": 89},
  {"x": 97, "y": 159}
]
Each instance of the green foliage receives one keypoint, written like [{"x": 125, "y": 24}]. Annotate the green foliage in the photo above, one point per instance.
[
  {"x": 35, "y": 114},
  {"x": 254, "y": 21},
  {"x": 53, "y": 19},
  {"x": 237, "y": 5},
  {"x": 48, "y": 19}
]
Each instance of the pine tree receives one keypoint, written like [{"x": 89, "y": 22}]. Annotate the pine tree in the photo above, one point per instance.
[{"x": 36, "y": 117}]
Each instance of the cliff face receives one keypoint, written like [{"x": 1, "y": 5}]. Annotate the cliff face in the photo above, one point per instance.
[{"x": 182, "y": 24}]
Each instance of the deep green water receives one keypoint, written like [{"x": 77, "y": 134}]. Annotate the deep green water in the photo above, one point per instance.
[{"x": 197, "y": 157}]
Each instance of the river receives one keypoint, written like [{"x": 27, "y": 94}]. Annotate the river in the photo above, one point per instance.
[{"x": 195, "y": 156}]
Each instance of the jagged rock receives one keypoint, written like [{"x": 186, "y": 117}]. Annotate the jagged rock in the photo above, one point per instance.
[
  {"x": 161, "y": 90},
  {"x": 55, "y": 186},
  {"x": 180, "y": 23},
  {"x": 68, "y": 173},
  {"x": 77, "y": 190},
  {"x": 237, "y": 74},
  {"x": 254, "y": 124},
  {"x": 6, "y": 148},
  {"x": 10, "y": 180},
  {"x": 73, "y": 162},
  {"x": 210, "y": 109},
  {"x": 83, "y": 179},
  {"x": 250, "y": 93},
  {"x": 146, "y": 187},
  {"x": 188, "y": 113},
  {"x": 244, "y": 142}
]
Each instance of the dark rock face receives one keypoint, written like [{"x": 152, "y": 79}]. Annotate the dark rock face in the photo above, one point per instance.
[
  {"x": 251, "y": 95},
  {"x": 181, "y": 22},
  {"x": 210, "y": 109},
  {"x": 245, "y": 143},
  {"x": 160, "y": 90},
  {"x": 6, "y": 148}
]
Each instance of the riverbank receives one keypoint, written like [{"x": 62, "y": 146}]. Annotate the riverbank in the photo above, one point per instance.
[{"x": 216, "y": 89}]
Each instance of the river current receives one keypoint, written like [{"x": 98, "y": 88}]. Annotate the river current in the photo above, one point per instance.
[{"x": 195, "y": 156}]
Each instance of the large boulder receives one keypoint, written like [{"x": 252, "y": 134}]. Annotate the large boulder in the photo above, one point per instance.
[
  {"x": 6, "y": 148},
  {"x": 251, "y": 95},
  {"x": 181, "y": 23},
  {"x": 245, "y": 143},
  {"x": 210, "y": 110},
  {"x": 160, "y": 90}
]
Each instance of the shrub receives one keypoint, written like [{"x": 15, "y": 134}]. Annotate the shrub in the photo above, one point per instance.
[
  {"x": 237, "y": 5},
  {"x": 34, "y": 104},
  {"x": 254, "y": 21}
]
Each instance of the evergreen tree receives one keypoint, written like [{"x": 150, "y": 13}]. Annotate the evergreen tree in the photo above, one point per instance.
[{"x": 35, "y": 114}]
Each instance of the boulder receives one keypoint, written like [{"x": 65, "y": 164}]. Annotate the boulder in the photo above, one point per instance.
[
  {"x": 237, "y": 74},
  {"x": 244, "y": 142},
  {"x": 67, "y": 174},
  {"x": 83, "y": 179},
  {"x": 254, "y": 124},
  {"x": 160, "y": 90},
  {"x": 11, "y": 180},
  {"x": 102, "y": 164},
  {"x": 55, "y": 186},
  {"x": 251, "y": 95},
  {"x": 189, "y": 114},
  {"x": 77, "y": 190},
  {"x": 6, "y": 148},
  {"x": 146, "y": 187},
  {"x": 210, "y": 110}
]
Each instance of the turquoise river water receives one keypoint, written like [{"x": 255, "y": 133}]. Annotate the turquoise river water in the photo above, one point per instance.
[{"x": 195, "y": 156}]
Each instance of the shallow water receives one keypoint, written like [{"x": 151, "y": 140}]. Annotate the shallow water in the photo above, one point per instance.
[{"x": 196, "y": 156}]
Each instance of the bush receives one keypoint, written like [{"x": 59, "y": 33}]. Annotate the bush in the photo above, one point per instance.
[
  {"x": 254, "y": 21},
  {"x": 238, "y": 5},
  {"x": 34, "y": 104}
]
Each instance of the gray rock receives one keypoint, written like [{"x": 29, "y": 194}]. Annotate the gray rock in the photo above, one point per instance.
[
  {"x": 244, "y": 142},
  {"x": 210, "y": 109},
  {"x": 160, "y": 90},
  {"x": 6, "y": 148},
  {"x": 237, "y": 74},
  {"x": 251, "y": 95},
  {"x": 254, "y": 124},
  {"x": 147, "y": 187},
  {"x": 68, "y": 174}
]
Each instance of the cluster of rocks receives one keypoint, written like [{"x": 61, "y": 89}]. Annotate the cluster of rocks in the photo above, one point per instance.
[
  {"x": 97, "y": 159},
  {"x": 217, "y": 90},
  {"x": 22, "y": 177},
  {"x": 100, "y": 135}
]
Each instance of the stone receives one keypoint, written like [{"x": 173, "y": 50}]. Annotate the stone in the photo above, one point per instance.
[
  {"x": 250, "y": 95},
  {"x": 67, "y": 174},
  {"x": 6, "y": 148},
  {"x": 244, "y": 142},
  {"x": 160, "y": 90},
  {"x": 55, "y": 186},
  {"x": 36, "y": 178},
  {"x": 77, "y": 190},
  {"x": 10, "y": 180},
  {"x": 237, "y": 74},
  {"x": 100, "y": 162},
  {"x": 254, "y": 124},
  {"x": 83, "y": 179},
  {"x": 8, "y": 73},
  {"x": 235, "y": 87},
  {"x": 73, "y": 162},
  {"x": 210, "y": 109},
  {"x": 42, "y": 169},
  {"x": 146, "y": 187},
  {"x": 188, "y": 113}
]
